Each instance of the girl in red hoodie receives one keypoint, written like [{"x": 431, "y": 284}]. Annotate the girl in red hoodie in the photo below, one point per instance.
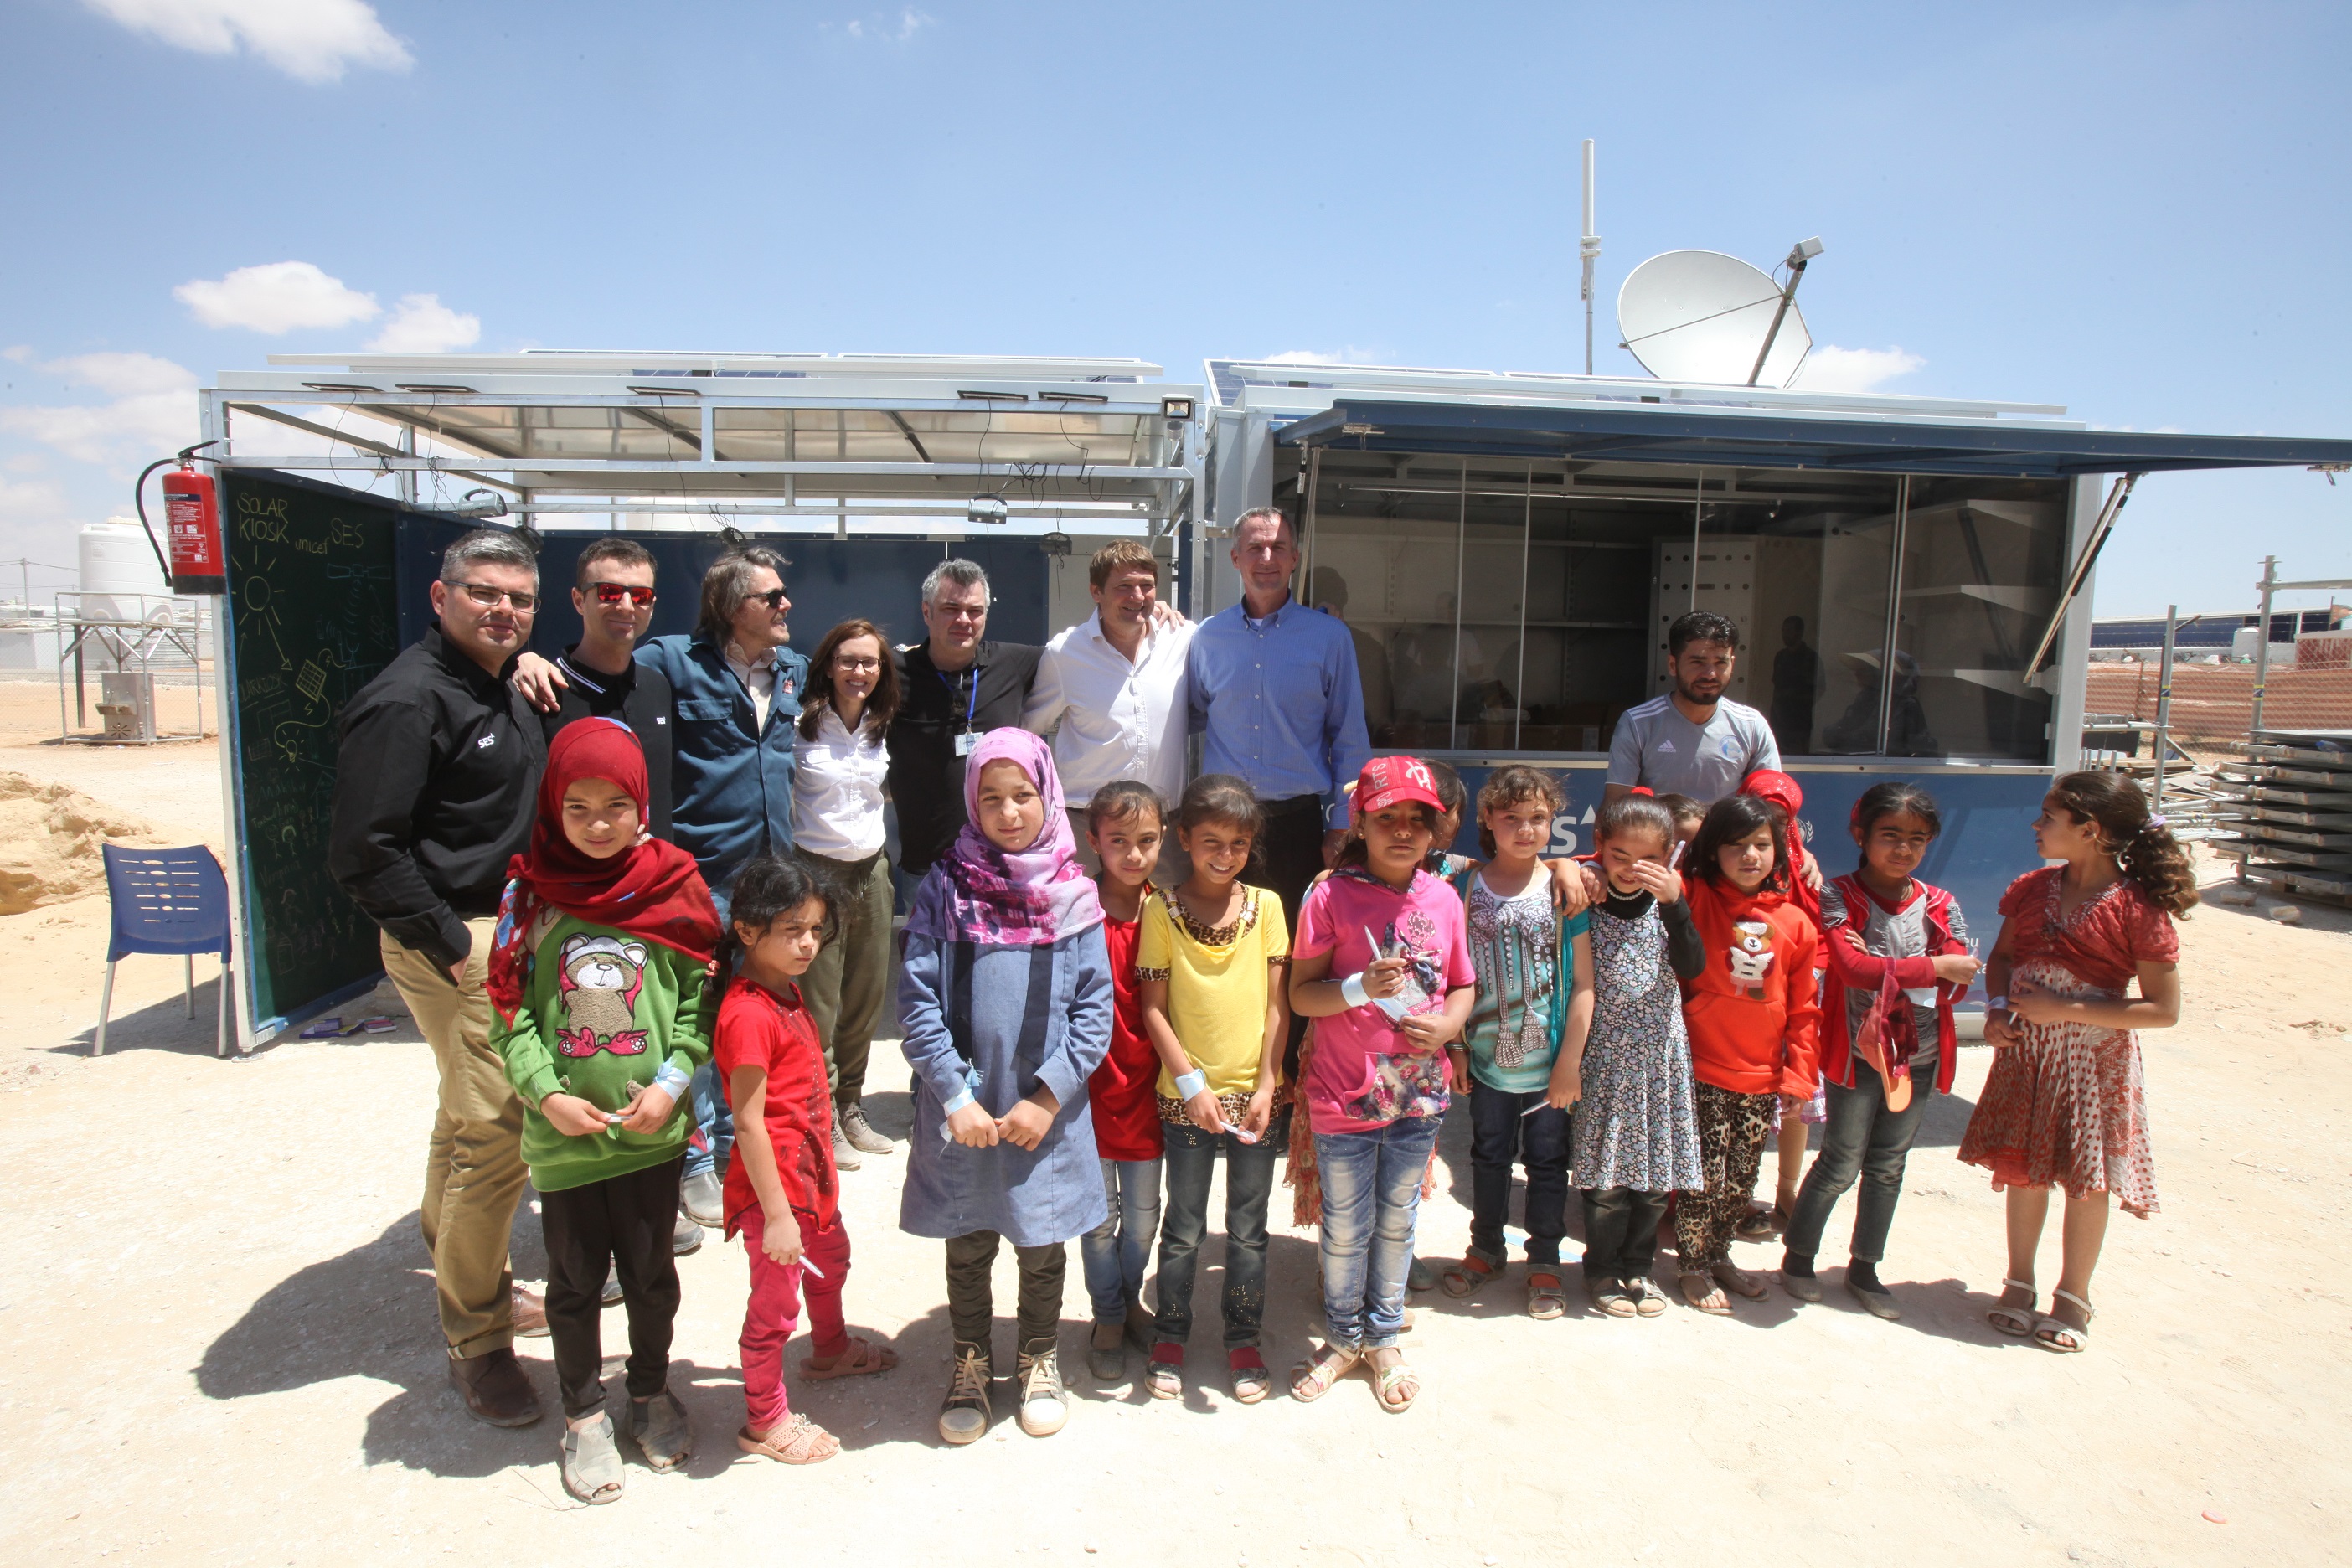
[
  {"x": 1898, "y": 959},
  {"x": 1753, "y": 1019}
]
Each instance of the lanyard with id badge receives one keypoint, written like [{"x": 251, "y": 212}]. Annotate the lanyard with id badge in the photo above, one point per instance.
[{"x": 968, "y": 738}]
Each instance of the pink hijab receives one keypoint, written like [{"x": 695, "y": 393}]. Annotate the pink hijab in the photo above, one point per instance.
[{"x": 977, "y": 892}]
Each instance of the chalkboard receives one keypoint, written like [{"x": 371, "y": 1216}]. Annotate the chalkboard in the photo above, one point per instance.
[{"x": 312, "y": 618}]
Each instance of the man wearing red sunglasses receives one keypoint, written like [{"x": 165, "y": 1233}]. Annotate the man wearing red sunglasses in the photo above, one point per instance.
[{"x": 613, "y": 591}]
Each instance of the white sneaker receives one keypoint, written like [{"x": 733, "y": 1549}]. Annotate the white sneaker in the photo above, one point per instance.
[
  {"x": 1045, "y": 1407},
  {"x": 704, "y": 1197}
]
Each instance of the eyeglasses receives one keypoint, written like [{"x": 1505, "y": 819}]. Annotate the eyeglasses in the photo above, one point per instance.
[
  {"x": 773, "y": 598},
  {"x": 613, "y": 593},
  {"x": 489, "y": 598},
  {"x": 856, "y": 666}
]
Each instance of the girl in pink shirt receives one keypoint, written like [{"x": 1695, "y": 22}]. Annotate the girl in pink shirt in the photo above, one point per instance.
[{"x": 1382, "y": 964}]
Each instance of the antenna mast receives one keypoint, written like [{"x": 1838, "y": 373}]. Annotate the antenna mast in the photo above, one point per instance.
[{"x": 1591, "y": 250}]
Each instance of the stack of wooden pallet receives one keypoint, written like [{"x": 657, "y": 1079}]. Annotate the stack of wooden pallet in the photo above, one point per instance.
[{"x": 2284, "y": 804}]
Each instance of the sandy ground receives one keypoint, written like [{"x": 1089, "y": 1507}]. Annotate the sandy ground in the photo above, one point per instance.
[{"x": 222, "y": 1343}]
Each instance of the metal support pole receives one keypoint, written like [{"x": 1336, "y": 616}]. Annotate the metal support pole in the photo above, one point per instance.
[
  {"x": 2164, "y": 701},
  {"x": 2263, "y": 648},
  {"x": 1590, "y": 249},
  {"x": 1460, "y": 536},
  {"x": 405, "y": 482},
  {"x": 1698, "y": 508},
  {"x": 1894, "y": 610}
]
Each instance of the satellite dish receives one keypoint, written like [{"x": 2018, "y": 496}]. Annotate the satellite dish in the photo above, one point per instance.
[{"x": 1700, "y": 315}]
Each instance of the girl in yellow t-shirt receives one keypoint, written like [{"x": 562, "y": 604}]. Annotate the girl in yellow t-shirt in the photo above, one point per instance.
[{"x": 1211, "y": 959}]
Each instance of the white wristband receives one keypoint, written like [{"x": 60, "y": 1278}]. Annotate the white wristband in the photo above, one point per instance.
[
  {"x": 958, "y": 1104},
  {"x": 672, "y": 1081},
  {"x": 1352, "y": 990},
  {"x": 1192, "y": 1083}
]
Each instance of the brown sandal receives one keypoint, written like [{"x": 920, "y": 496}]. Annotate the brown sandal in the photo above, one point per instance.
[
  {"x": 1463, "y": 1278},
  {"x": 1312, "y": 1379},
  {"x": 1547, "y": 1298},
  {"x": 799, "y": 1441},
  {"x": 858, "y": 1360}
]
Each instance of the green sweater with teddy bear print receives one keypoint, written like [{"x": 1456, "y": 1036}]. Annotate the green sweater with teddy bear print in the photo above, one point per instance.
[{"x": 601, "y": 1010}]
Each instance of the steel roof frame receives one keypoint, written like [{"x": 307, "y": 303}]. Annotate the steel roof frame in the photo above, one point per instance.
[{"x": 413, "y": 395}]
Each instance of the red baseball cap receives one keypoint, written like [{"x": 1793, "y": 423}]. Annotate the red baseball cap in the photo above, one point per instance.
[{"x": 1386, "y": 781}]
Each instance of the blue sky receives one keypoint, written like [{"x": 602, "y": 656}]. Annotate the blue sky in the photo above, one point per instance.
[{"x": 2134, "y": 210}]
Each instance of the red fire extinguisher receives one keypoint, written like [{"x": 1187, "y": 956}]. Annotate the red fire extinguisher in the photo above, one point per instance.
[{"x": 192, "y": 518}]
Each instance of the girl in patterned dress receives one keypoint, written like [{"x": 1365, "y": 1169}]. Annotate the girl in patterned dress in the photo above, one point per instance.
[
  {"x": 1634, "y": 1138},
  {"x": 2064, "y": 1104}
]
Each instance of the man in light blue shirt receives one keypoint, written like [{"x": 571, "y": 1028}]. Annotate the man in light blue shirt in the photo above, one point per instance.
[{"x": 1274, "y": 692}]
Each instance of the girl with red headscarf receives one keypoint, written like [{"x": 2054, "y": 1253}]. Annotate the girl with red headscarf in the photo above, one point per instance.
[{"x": 605, "y": 940}]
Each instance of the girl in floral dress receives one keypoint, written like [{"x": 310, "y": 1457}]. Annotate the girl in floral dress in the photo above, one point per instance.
[
  {"x": 1634, "y": 1136},
  {"x": 2064, "y": 1105}
]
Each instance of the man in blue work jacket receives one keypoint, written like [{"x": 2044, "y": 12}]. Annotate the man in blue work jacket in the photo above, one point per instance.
[{"x": 736, "y": 692}]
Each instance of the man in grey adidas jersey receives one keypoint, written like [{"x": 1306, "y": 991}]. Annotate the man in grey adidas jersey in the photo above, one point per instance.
[{"x": 1694, "y": 740}]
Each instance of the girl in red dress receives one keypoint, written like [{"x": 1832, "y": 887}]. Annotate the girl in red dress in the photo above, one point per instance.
[{"x": 2064, "y": 1105}]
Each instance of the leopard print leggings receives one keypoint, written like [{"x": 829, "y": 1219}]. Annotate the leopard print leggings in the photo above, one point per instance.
[{"x": 1731, "y": 1133}]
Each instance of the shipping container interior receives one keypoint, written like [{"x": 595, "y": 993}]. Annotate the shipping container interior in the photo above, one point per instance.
[{"x": 1518, "y": 606}]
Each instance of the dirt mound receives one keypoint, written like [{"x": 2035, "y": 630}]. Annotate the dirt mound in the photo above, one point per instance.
[{"x": 49, "y": 836}]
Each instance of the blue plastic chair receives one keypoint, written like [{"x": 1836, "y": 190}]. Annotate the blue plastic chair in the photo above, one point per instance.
[{"x": 166, "y": 901}]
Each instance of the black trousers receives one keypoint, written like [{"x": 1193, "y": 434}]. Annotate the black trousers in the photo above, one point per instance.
[
  {"x": 626, "y": 1223},
  {"x": 971, "y": 1297},
  {"x": 1291, "y": 857},
  {"x": 1621, "y": 1232}
]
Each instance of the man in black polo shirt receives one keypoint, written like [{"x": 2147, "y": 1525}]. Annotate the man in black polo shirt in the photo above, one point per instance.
[
  {"x": 434, "y": 785},
  {"x": 613, "y": 589},
  {"x": 954, "y": 687}
]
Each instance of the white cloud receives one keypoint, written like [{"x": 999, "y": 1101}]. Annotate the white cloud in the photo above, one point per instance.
[
  {"x": 32, "y": 501},
  {"x": 888, "y": 29},
  {"x": 20, "y": 352},
  {"x": 1831, "y": 368},
  {"x": 152, "y": 411},
  {"x": 422, "y": 324},
  {"x": 309, "y": 41},
  {"x": 277, "y": 297},
  {"x": 123, "y": 374}
]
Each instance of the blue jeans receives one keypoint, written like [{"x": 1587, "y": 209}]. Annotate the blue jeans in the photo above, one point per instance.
[
  {"x": 1372, "y": 1193},
  {"x": 1859, "y": 1137},
  {"x": 1114, "y": 1253},
  {"x": 712, "y": 1119},
  {"x": 1501, "y": 1130},
  {"x": 1249, "y": 1183}
]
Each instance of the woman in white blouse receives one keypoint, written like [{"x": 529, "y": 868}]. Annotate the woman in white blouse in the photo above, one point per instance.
[{"x": 837, "y": 771}]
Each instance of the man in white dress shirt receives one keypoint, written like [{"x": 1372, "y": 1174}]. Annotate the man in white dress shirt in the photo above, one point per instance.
[{"x": 1111, "y": 692}]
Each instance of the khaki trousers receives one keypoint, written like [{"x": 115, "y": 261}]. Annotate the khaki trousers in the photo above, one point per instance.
[
  {"x": 473, "y": 1167},
  {"x": 844, "y": 988}
]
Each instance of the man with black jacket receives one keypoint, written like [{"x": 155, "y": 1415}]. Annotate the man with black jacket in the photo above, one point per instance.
[
  {"x": 613, "y": 591},
  {"x": 954, "y": 686},
  {"x": 435, "y": 784}
]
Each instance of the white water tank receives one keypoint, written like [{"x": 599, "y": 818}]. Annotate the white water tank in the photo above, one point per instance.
[{"x": 118, "y": 564}]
